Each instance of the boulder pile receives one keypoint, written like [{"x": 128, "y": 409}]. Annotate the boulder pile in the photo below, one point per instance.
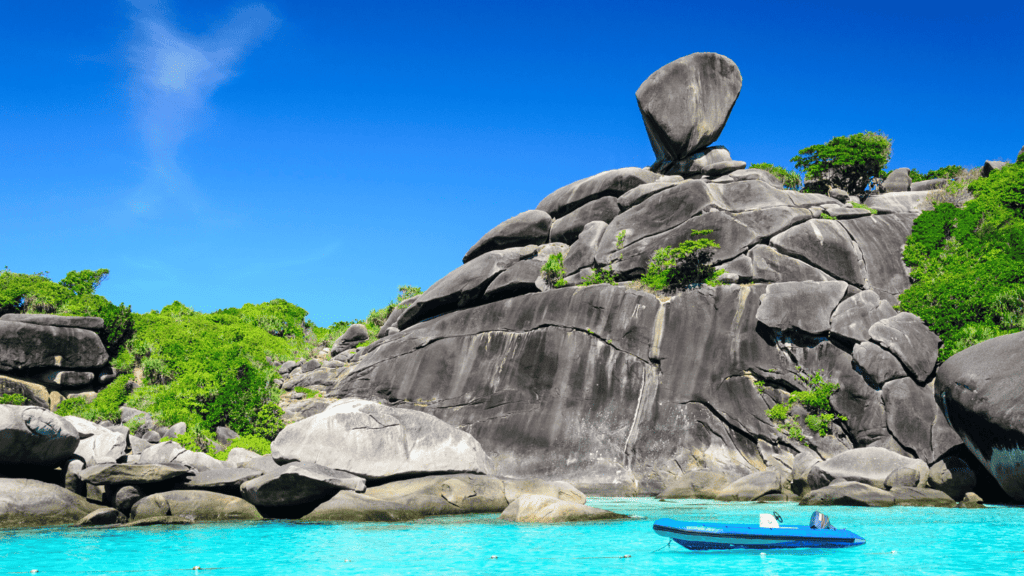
[
  {"x": 356, "y": 461},
  {"x": 47, "y": 358}
]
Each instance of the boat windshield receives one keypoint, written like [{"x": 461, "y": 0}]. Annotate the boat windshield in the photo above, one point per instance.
[{"x": 820, "y": 522}]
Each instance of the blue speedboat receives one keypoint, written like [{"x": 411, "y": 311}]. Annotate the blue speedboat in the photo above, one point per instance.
[{"x": 769, "y": 533}]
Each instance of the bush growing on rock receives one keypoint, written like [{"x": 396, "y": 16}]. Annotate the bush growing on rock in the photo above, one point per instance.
[
  {"x": 687, "y": 264},
  {"x": 846, "y": 162},
  {"x": 815, "y": 400},
  {"x": 13, "y": 399},
  {"x": 790, "y": 179},
  {"x": 553, "y": 270}
]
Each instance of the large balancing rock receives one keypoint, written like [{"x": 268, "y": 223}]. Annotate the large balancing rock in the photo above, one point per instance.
[
  {"x": 686, "y": 103},
  {"x": 981, "y": 392},
  {"x": 376, "y": 441},
  {"x": 33, "y": 436}
]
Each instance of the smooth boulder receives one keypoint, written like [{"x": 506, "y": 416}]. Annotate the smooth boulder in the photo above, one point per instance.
[
  {"x": 299, "y": 483},
  {"x": 805, "y": 306},
  {"x": 198, "y": 505},
  {"x": 530, "y": 227},
  {"x": 34, "y": 436},
  {"x": 695, "y": 484},
  {"x": 907, "y": 337},
  {"x": 849, "y": 494},
  {"x": 376, "y": 441},
  {"x": 686, "y": 103},
  {"x": 866, "y": 465},
  {"x": 537, "y": 509},
  {"x": 981, "y": 392},
  {"x": 26, "y": 346},
  {"x": 132, "y": 474},
  {"x": 27, "y": 503}
]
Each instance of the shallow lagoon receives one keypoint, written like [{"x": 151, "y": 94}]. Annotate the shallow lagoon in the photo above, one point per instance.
[{"x": 899, "y": 541}]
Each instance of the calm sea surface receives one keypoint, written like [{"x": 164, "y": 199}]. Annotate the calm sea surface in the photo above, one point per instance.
[{"x": 899, "y": 541}]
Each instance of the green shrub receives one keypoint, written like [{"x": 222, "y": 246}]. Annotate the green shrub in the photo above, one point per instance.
[
  {"x": 601, "y": 275},
  {"x": 13, "y": 399},
  {"x": 815, "y": 400},
  {"x": 118, "y": 321},
  {"x": 863, "y": 207},
  {"x": 967, "y": 264},
  {"x": 827, "y": 216},
  {"x": 257, "y": 444},
  {"x": 309, "y": 392},
  {"x": 687, "y": 264},
  {"x": 30, "y": 293},
  {"x": 106, "y": 405},
  {"x": 553, "y": 270},
  {"x": 790, "y": 179},
  {"x": 846, "y": 162}
]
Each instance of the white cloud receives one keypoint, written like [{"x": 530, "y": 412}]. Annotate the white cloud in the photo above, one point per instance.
[{"x": 174, "y": 74}]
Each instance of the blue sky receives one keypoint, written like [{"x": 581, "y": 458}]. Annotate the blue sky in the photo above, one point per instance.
[{"x": 219, "y": 153}]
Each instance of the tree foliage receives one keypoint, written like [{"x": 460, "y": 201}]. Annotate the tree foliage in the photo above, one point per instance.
[
  {"x": 790, "y": 179},
  {"x": 967, "y": 264},
  {"x": 846, "y": 162},
  {"x": 685, "y": 265}
]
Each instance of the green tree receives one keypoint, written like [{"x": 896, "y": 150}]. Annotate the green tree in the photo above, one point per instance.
[
  {"x": 85, "y": 282},
  {"x": 846, "y": 162}
]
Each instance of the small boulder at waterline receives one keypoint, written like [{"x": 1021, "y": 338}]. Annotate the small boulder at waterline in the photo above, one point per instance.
[
  {"x": 299, "y": 483},
  {"x": 848, "y": 494},
  {"x": 534, "y": 508},
  {"x": 200, "y": 505},
  {"x": 26, "y": 503},
  {"x": 695, "y": 484}
]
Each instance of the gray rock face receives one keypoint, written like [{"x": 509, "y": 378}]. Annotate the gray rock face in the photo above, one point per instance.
[
  {"x": 752, "y": 487},
  {"x": 897, "y": 181},
  {"x": 805, "y": 306},
  {"x": 567, "y": 229},
  {"x": 521, "y": 278},
  {"x": 865, "y": 465},
  {"x": 877, "y": 363},
  {"x": 222, "y": 479},
  {"x": 27, "y": 503},
  {"x": 906, "y": 477},
  {"x": 583, "y": 253},
  {"x": 376, "y": 441},
  {"x": 645, "y": 191},
  {"x": 686, "y": 103},
  {"x": 989, "y": 167},
  {"x": 915, "y": 421},
  {"x": 826, "y": 245},
  {"x": 66, "y": 378},
  {"x": 849, "y": 494},
  {"x": 102, "y": 517},
  {"x": 199, "y": 505},
  {"x": 768, "y": 265},
  {"x": 533, "y": 508},
  {"x": 135, "y": 474},
  {"x": 33, "y": 436},
  {"x": 933, "y": 184},
  {"x": 173, "y": 453},
  {"x": 610, "y": 183},
  {"x": 447, "y": 494},
  {"x": 696, "y": 484},
  {"x": 880, "y": 240},
  {"x": 84, "y": 322},
  {"x": 30, "y": 346},
  {"x": 353, "y": 335},
  {"x": 105, "y": 447},
  {"x": 348, "y": 506},
  {"x": 952, "y": 476},
  {"x": 855, "y": 315},
  {"x": 461, "y": 286},
  {"x": 530, "y": 227},
  {"x": 125, "y": 498},
  {"x": 913, "y": 496},
  {"x": 981, "y": 392},
  {"x": 557, "y": 489},
  {"x": 907, "y": 337},
  {"x": 898, "y": 203},
  {"x": 299, "y": 483}
]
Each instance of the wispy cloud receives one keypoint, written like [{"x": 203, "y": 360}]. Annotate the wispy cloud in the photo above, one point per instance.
[{"x": 174, "y": 74}]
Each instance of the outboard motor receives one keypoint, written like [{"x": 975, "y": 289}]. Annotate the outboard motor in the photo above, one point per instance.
[{"x": 820, "y": 522}]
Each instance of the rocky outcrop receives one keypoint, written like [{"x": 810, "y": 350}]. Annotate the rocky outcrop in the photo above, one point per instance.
[
  {"x": 197, "y": 505},
  {"x": 25, "y": 346},
  {"x": 897, "y": 181},
  {"x": 530, "y": 227},
  {"x": 871, "y": 466},
  {"x": 375, "y": 441},
  {"x": 981, "y": 393},
  {"x": 299, "y": 483}
]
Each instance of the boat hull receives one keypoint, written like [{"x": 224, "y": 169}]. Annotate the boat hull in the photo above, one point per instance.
[{"x": 715, "y": 536}]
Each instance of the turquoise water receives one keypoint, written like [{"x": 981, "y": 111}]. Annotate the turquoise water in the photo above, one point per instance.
[{"x": 899, "y": 541}]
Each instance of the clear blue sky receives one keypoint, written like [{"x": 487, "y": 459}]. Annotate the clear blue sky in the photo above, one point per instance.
[{"x": 219, "y": 153}]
